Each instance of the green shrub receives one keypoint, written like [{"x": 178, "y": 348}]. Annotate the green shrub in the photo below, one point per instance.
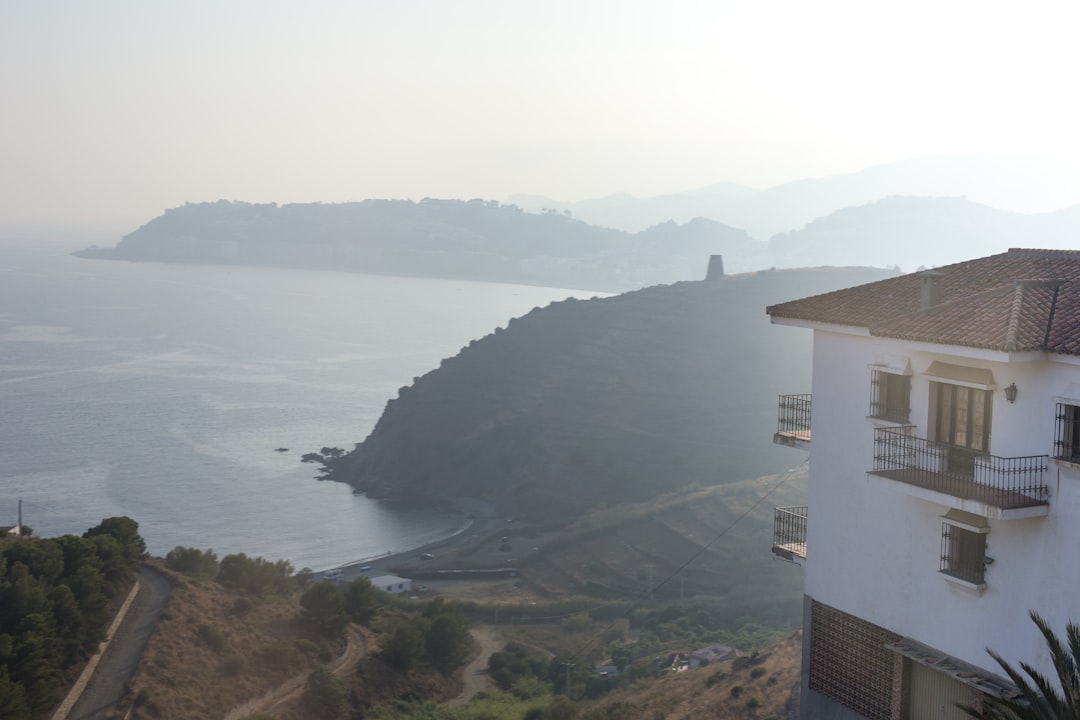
[
  {"x": 233, "y": 665},
  {"x": 213, "y": 638},
  {"x": 306, "y": 647},
  {"x": 278, "y": 655},
  {"x": 241, "y": 606},
  {"x": 324, "y": 695},
  {"x": 577, "y": 623},
  {"x": 192, "y": 561}
]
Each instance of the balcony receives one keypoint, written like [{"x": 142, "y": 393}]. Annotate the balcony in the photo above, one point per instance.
[
  {"x": 987, "y": 485},
  {"x": 793, "y": 424},
  {"x": 789, "y": 534}
]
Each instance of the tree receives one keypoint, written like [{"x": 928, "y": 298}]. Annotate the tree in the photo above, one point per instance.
[
  {"x": 13, "y": 702},
  {"x": 404, "y": 646},
  {"x": 255, "y": 576},
  {"x": 324, "y": 609},
  {"x": 324, "y": 695},
  {"x": 126, "y": 532},
  {"x": 361, "y": 600},
  {"x": 192, "y": 561},
  {"x": 1040, "y": 699},
  {"x": 111, "y": 556},
  {"x": 447, "y": 641},
  {"x": 303, "y": 578}
]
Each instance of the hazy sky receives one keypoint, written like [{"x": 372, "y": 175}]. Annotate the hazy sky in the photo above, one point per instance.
[{"x": 113, "y": 111}]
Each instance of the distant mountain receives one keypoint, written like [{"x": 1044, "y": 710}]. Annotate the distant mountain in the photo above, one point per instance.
[
  {"x": 584, "y": 403},
  {"x": 475, "y": 240},
  {"x": 921, "y": 231},
  {"x": 990, "y": 180},
  {"x": 906, "y": 214}
]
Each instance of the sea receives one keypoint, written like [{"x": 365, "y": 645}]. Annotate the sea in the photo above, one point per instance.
[{"x": 183, "y": 396}]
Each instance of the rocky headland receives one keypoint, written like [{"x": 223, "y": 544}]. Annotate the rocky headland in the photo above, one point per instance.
[{"x": 584, "y": 404}]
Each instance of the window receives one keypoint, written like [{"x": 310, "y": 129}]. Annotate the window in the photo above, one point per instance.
[
  {"x": 963, "y": 547},
  {"x": 961, "y": 417},
  {"x": 1067, "y": 435},
  {"x": 890, "y": 395}
]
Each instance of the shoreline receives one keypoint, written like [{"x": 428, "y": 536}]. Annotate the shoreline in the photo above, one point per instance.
[{"x": 481, "y": 519}]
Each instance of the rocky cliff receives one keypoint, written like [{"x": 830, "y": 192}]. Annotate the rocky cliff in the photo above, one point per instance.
[{"x": 586, "y": 403}]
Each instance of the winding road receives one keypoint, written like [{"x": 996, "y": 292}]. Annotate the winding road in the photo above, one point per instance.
[{"x": 125, "y": 649}]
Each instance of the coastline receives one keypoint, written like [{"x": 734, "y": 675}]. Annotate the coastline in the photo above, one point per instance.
[{"x": 482, "y": 518}]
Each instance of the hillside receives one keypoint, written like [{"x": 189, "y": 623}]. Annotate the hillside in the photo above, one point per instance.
[
  {"x": 473, "y": 240},
  {"x": 226, "y": 653},
  {"x": 937, "y": 231},
  {"x": 588, "y": 403},
  {"x": 483, "y": 240}
]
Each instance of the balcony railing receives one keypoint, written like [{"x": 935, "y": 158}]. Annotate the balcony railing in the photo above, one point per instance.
[
  {"x": 1002, "y": 482},
  {"x": 789, "y": 533},
  {"x": 793, "y": 420}
]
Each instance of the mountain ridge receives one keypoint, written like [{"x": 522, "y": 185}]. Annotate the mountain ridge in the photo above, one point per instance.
[{"x": 996, "y": 181}]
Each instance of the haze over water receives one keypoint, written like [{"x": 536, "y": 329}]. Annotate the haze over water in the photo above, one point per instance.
[{"x": 162, "y": 391}]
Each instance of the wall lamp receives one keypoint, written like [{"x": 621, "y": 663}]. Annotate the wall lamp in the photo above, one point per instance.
[{"x": 1010, "y": 393}]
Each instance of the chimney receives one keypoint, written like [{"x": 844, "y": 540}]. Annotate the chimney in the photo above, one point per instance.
[
  {"x": 931, "y": 288},
  {"x": 716, "y": 267}
]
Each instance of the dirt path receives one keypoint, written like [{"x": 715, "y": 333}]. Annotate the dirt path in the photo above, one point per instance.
[
  {"x": 475, "y": 673},
  {"x": 119, "y": 661},
  {"x": 290, "y": 691}
]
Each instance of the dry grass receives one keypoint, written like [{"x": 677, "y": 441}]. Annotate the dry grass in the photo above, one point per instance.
[
  {"x": 762, "y": 687},
  {"x": 213, "y": 650}
]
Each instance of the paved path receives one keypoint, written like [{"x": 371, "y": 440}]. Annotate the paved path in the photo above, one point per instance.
[
  {"x": 475, "y": 673},
  {"x": 126, "y": 648}
]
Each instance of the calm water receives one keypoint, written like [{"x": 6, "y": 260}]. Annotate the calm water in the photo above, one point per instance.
[{"x": 161, "y": 392}]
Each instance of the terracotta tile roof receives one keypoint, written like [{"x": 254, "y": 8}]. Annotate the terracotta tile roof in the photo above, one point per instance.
[{"x": 1018, "y": 300}]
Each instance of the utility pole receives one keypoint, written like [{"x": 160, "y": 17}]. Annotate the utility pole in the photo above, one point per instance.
[{"x": 568, "y": 665}]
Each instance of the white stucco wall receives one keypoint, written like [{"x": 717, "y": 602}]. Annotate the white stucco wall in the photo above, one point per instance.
[{"x": 874, "y": 551}]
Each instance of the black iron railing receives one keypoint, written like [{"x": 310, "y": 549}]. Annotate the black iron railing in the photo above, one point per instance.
[
  {"x": 794, "y": 416},
  {"x": 963, "y": 554},
  {"x": 789, "y": 532},
  {"x": 1002, "y": 482},
  {"x": 1067, "y": 433}
]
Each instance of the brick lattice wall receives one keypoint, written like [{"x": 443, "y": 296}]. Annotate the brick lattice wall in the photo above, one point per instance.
[{"x": 849, "y": 662}]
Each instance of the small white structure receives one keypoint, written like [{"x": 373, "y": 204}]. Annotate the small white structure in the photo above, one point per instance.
[
  {"x": 944, "y": 482},
  {"x": 392, "y": 584},
  {"x": 711, "y": 654}
]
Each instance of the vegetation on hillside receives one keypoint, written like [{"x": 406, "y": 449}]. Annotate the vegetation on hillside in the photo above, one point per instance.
[
  {"x": 56, "y": 598},
  {"x": 475, "y": 239},
  {"x": 585, "y": 404}
]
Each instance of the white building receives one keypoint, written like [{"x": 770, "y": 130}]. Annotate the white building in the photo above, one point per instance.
[
  {"x": 944, "y": 487},
  {"x": 392, "y": 584}
]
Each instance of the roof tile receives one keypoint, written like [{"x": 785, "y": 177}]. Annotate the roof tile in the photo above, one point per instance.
[{"x": 1015, "y": 301}]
